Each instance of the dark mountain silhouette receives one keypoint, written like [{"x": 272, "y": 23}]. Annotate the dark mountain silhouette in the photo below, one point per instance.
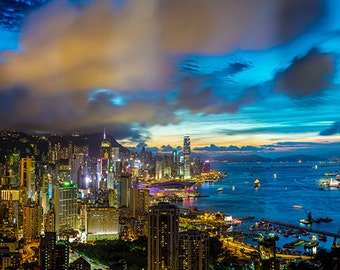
[
  {"x": 300, "y": 157},
  {"x": 242, "y": 158},
  {"x": 92, "y": 140},
  {"x": 258, "y": 158}
]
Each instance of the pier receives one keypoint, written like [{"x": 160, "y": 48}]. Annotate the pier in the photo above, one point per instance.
[
  {"x": 301, "y": 228},
  {"x": 334, "y": 235}
]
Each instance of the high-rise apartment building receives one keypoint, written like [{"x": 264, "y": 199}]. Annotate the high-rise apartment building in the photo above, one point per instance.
[
  {"x": 186, "y": 155},
  {"x": 193, "y": 250},
  {"x": 139, "y": 201},
  {"x": 163, "y": 234},
  {"x": 32, "y": 225},
  {"x": 53, "y": 254},
  {"x": 47, "y": 258}
]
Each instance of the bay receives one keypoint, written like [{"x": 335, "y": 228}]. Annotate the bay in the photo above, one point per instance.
[{"x": 287, "y": 193}]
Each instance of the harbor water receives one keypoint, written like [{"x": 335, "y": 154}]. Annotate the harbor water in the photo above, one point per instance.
[{"x": 287, "y": 192}]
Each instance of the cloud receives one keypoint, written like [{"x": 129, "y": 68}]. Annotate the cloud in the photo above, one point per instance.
[
  {"x": 129, "y": 48},
  {"x": 334, "y": 129},
  {"x": 307, "y": 75},
  {"x": 68, "y": 51}
]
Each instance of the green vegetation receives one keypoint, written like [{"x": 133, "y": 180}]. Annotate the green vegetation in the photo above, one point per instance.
[
  {"x": 135, "y": 253},
  {"x": 107, "y": 251},
  {"x": 323, "y": 260}
]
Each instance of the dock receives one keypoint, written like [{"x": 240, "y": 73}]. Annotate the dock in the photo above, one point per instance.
[{"x": 301, "y": 228}]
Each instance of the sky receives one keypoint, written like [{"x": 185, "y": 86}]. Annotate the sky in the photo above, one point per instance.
[{"x": 245, "y": 76}]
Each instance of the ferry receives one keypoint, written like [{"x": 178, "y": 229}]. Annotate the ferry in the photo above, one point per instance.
[{"x": 220, "y": 189}]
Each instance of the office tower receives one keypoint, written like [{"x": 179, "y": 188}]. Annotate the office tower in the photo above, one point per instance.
[
  {"x": 32, "y": 213},
  {"x": 159, "y": 170},
  {"x": 186, "y": 155},
  {"x": 124, "y": 186},
  {"x": 175, "y": 164},
  {"x": 193, "y": 250},
  {"x": 105, "y": 159},
  {"x": 206, "y": 166},
  {"x": 65, "y": 206},
  {"x": 27, "y": 177},
  {"x": 197, "y": 166},
  {"x": 77, "y": 164},
  {"x": 101, "y": 223},
  {"x": 163, "y": 230}
]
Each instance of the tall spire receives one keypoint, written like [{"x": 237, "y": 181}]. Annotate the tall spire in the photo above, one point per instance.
[{"x": 104, "y": 134}]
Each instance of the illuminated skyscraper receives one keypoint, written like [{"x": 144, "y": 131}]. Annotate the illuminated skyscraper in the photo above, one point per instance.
[
  {"x": 27, "y": 177},
  {"x": 175, "y": 164},
  {"x": 32, "y": 220},
  {"x": 47, "y": 251},
  {"x": 53, "y": 254},
  {"x": 65, "y": 206},
  {"x": 163, "y": 237},
  {"x": 105, "y": 158},
  {"x": 186, "y": 155},
  {"x": 193, "y": 250},
  {"x": 124, "y": 189}
]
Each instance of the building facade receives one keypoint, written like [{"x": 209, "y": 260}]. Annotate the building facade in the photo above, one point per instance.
[
  {"x": 163, "y": 227},
  {"x": 193, "y": 250}
]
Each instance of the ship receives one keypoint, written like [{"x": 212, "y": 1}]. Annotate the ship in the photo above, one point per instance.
[
  {"x": 220, "y": 189},
  {"x": 257, "y": 183}
]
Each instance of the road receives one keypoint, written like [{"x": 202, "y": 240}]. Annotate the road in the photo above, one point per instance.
[{"x": 28, "y": 252}]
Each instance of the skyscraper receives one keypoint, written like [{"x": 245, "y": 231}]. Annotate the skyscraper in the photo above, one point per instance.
[
  {"x": 27, "y": 177},
  {"x": 124, "y": 188},
  {"x": 163, "y": 237},
  {"x": 186, "y": 155},
  {"x": 32, "y": 213},
  {"x": 105, "y": 158},
  {"x": 47, "y": 251},
  {"x": 53, "y": 254},
  {"x": 193, "y": 250},
  {"x": 65, "y": 206}
]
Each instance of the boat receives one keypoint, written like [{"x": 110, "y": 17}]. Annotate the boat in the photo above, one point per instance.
[
  {"x": 220, "y": 189},
  {"x": 306, "y": 221},
  {"x": 257, "y": 183},
  {"x": 294, "y": 244},
  {"x": 311, "y": 244}
]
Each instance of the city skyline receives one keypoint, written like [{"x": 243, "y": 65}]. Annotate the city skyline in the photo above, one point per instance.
[{"x": 236, "y": 76}]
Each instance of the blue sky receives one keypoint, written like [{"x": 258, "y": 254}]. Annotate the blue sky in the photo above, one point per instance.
[{"x": 237, "y": 76}]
